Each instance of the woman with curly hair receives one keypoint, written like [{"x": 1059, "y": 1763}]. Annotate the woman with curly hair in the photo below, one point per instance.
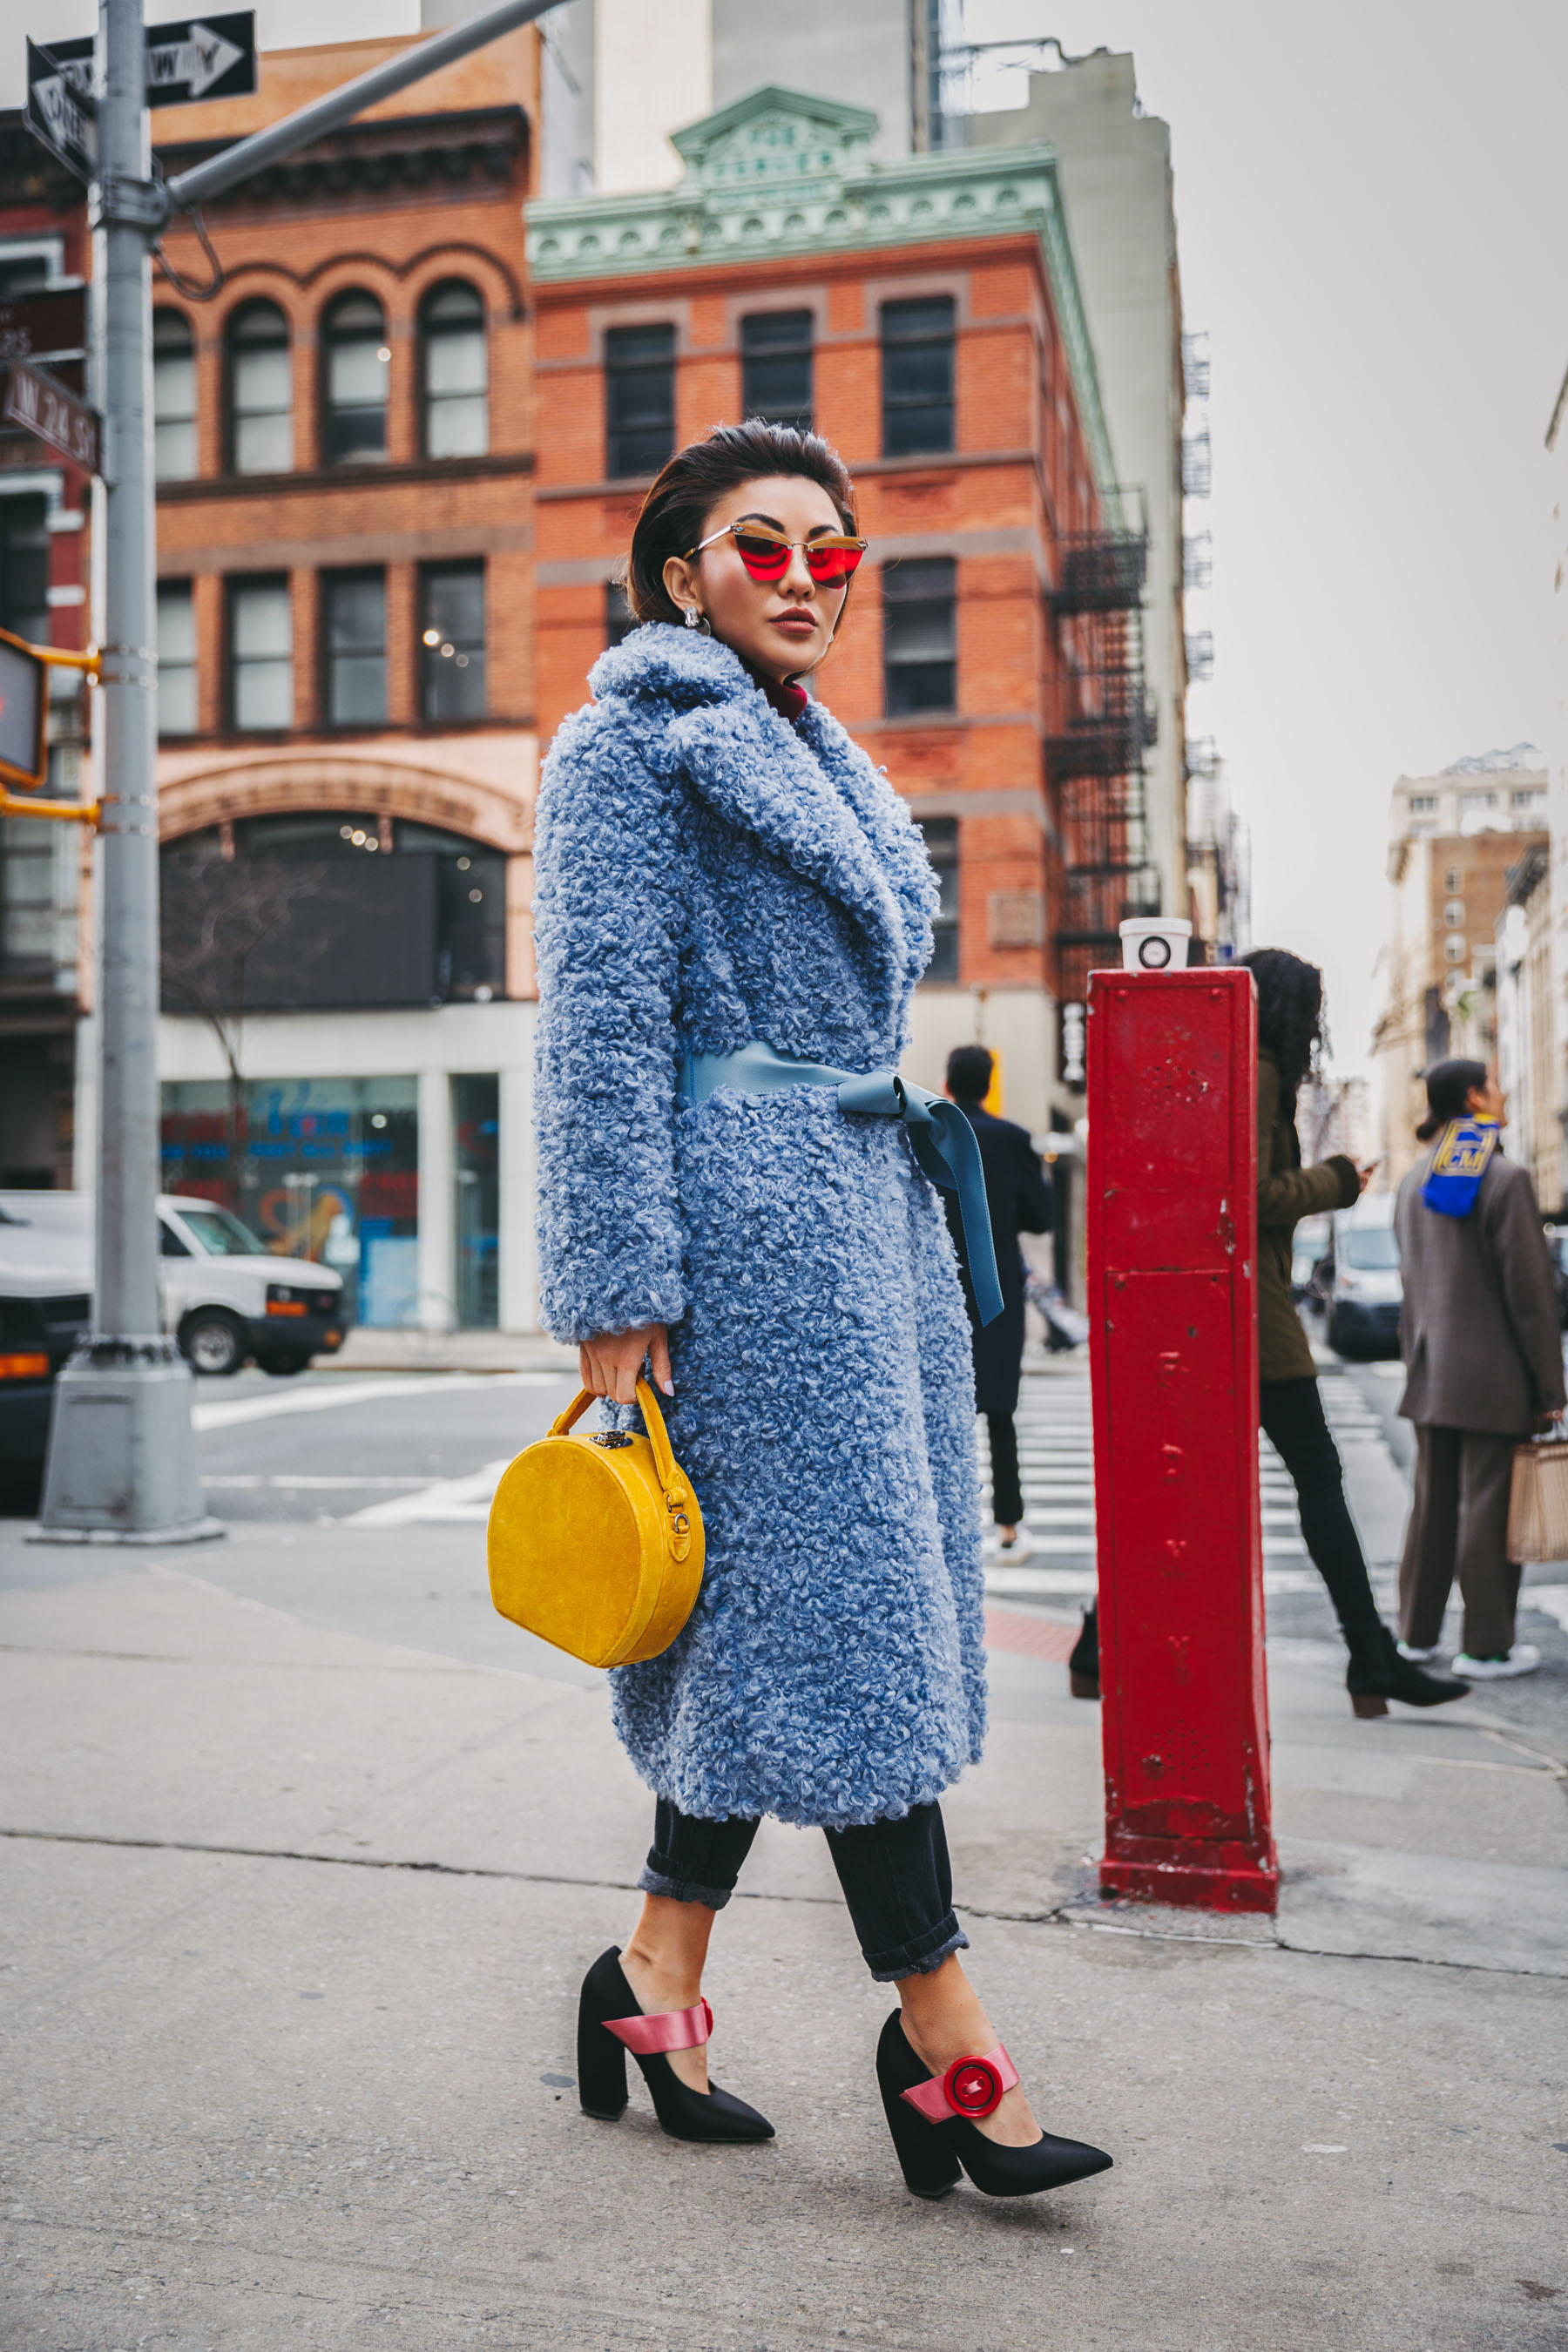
[
  {"x": 733, "y": 910},
  {"x": 1292, "y": 1039}
]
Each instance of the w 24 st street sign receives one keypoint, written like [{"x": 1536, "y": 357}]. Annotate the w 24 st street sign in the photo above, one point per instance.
[{"x": 54, "y": 416}]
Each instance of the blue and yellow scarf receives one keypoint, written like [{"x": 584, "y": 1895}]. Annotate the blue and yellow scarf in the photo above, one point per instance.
[{"x": 1461, "y": 1160}]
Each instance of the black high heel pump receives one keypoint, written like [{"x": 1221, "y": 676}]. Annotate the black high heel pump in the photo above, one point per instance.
[
  {"x": 610, "y": 2023},
  {"x": 932, "y": 2120}
]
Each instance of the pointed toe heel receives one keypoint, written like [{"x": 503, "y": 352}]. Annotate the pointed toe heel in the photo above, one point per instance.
[
  {"x": 610, "y": 2023},
  {"x": 931, "y": 2119},
  {"x": 1379, "y": 1671}
]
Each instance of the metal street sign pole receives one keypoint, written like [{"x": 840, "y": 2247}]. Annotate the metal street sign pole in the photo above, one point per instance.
[{"x": 122, "y": 1464}]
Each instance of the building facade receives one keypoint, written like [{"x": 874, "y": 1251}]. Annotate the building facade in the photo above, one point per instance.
[
  {"x": 1455, "y": 839},
  {"x": 1527, "y": 1042},
  {"x": 45, "y": 517},
  {"x": 348, "y": 752},
  {"x": 924, "y": 314}
]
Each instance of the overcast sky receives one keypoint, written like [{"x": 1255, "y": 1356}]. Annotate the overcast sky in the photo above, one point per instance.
[{"x": 1372, "y": 233}]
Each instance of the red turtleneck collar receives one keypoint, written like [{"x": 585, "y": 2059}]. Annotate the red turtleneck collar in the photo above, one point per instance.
[{"x": 789, "y": 701}]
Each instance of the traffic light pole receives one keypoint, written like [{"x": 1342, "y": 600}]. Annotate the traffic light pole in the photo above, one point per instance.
[{"x": 122, "y": 1462}]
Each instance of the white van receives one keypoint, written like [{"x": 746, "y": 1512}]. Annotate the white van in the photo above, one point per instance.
[
  {"x": 1364, "y": 1291},
  {"x": 225, "y": 1297}
]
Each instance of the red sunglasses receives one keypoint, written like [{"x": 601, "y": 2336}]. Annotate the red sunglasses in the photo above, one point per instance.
[{"x": 766, "y": 552}]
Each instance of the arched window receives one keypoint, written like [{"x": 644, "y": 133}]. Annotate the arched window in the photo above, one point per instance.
[
  {"x": 456, "y": 357},
  {"x": 174, "y": 398},
  {"x": 356, "y": 367},
  {"x": 260, "y": 391}
]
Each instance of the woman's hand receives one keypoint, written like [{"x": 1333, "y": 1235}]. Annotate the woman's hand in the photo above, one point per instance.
[{"x": 610, "y": 1364}]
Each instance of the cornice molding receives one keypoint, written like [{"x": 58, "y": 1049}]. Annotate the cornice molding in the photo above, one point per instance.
[
  {"x": 314, "y": 779},
  {"x": 781, "y": 175}
]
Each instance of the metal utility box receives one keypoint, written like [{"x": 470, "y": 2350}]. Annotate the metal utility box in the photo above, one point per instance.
[{"x": 1173, "y": 1258}]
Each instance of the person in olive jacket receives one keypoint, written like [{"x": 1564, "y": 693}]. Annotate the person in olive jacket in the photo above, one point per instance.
[
  {"x": 1483, "y": 1359},
  {"x": 1290, "y": 1036}
]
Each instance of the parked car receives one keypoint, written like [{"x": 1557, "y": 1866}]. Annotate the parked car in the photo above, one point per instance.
[
  {"x": 45, "y": 1304},
  {"x": 1557, "y": 1244},
  {"x": 226, "y": 1297},
  {"x": 1309, "y": 1248},
  {"x": 1362, "y": 1287}
]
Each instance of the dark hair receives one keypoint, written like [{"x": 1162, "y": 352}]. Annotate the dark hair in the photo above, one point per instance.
[
  {"x": 1290, "y": 1024},
  {"x": 1449, "y": 1086},
  {"x": 969, "y": 1071},
  {"x": 698, "y": 476}
]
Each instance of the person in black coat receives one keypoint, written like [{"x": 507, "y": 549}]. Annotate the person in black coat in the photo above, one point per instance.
[{"x": 1018, "y": 1195}]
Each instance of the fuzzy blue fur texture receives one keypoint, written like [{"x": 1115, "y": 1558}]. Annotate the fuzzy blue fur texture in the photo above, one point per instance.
[{"x": 709, "y": 872}]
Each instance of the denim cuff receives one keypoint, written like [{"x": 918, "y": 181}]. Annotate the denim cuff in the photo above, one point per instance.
[
  {"x": 921, "y": 1954},
  {"x": 684, "y": 1890}
]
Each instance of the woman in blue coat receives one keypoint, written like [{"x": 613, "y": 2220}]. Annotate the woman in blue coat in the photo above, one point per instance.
[{"x": 722, "y": 873}]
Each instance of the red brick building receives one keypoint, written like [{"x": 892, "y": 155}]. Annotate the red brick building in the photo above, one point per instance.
[{"x": 924, "y": 314}]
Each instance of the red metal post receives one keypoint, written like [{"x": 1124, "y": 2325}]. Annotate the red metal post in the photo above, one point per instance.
[{"x": 1172, "y": 1234}]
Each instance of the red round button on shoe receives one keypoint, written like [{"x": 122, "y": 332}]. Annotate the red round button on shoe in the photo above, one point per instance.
[{"x": 972, "y": 2087}]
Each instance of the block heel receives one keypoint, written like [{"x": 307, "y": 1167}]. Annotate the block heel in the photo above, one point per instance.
[
  {"x": 930, "y": 2169},
  {"x": 929, "y": 2116},
  {"x": 601, "y": 2059}
]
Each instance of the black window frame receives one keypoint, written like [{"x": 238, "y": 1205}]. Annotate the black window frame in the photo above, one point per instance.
[
  {"x": 332, "y": 654},
  {"x": 634, "y": 446},
  {"x": 433, "y": 331},
  {"x": 943, "y": 849},
  {"x": 433, "y": 662},
  {"x": 24, "y": 564},
  {"x": 234, "y": 340},
  {"x": 918, "y": 682},
  {"x": 917, "y": 421},
  {"x": 166, "y": 592},
  {"x": 235, "y": 586},
  {"x": 341, "y": 443},
  {"x": 164, "y": 319},
  {"x": 773, "y": 340}
]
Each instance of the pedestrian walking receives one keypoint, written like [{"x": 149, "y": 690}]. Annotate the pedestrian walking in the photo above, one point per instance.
[
  {"x": 733, "y": 908},
  {"x": 1290, "y": 1038},
  {"x": 1483, "y": 1360},
  {"x": 1018, "y": 1195}
]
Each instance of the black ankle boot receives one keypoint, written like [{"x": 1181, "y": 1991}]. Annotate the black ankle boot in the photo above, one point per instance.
[
  {"x": 609, "y": 2001},
  {"x": 1083, "y": 1665},
  {"x": 1377, "y": 1672},
  {"x": 930, "y": 2153}
]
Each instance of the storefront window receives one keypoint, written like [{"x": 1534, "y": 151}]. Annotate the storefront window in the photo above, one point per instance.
[
  {"x": 476, "y": 1167},
  {"x": 325, "y": 1169}
]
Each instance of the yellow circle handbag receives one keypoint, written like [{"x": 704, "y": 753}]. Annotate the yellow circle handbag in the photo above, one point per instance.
[{"x": 596, "y": 1542}]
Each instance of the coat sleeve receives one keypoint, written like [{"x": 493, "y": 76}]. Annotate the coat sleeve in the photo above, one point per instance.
[
  {"x": 1511, "y": 1222},
  {"x": 1034, "y": 1203},
  {"x": 607, "y": 936},
  {"x": 1285, "y": 1197}
]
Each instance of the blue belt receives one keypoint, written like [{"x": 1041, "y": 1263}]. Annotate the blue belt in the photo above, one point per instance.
[{"x": 940, "y": 1136}]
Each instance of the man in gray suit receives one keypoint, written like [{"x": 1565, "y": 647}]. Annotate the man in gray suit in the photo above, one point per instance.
[{"x": 1483, "y": 1357}]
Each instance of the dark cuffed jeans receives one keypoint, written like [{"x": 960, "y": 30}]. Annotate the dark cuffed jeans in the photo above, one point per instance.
[
  {"x": 1291, "y": 1412},
  {"x": 896, "y": 1877}
]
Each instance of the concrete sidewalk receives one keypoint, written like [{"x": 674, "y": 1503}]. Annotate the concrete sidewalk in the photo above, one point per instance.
[{"x": 294, "y": 1921}]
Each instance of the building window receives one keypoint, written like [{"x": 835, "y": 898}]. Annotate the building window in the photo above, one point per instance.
[
  {"x": 452, "y": 641},
  {"x": 260, "y": 653},
  {"x": 640, "y": 399},
  {"x": 1526, "y": 800},
  {"x": 920, "y": 636},
  {"x": 1453, "y": 879},
  {"x": 260, "y": 391},
  {"x": 775, "y": 367},
  {"x": 455, "y": 353},
  {"x": 176, "y": 659},
  {"x": 1478, "y": 800},
  {"x": 174, "y": 398},
  {"x": 1422, "y": 801},
  {"x": 353, "y": 621},
  {"x": 917, "y": 376},
  {"x": 1454, "y": 950},
  {"x": 618, "y": 620},
  {"x": 942, "y": 848},
  {"x": 1454, "y": 913},
  {"x": 357, "y": 364},
  {"x": 24, "y": 568}
]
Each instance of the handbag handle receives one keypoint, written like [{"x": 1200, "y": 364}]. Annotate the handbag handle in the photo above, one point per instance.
[{"x": 669, "y": 1478}]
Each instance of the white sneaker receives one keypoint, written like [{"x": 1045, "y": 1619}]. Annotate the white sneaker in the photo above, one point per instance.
[
  {"x": 1523, "y": 1659},
  {"x": 1020, "y": 1549},
  {"x": 1416, "y": 1657}
]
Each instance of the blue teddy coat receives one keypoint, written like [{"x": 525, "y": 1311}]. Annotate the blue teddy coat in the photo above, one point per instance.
[{"x": 709, "y": 872}]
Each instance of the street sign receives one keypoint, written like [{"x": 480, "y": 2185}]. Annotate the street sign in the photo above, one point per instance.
[
  {"x": 206, "y": 57},
  {"x": 45, "y": 326},
  {"x": 60, "y": 112},
  {"x": 24, "y": 757},
  {"x": 54, "y": 416}
]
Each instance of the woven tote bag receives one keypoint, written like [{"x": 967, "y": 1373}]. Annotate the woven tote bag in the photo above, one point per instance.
[{"x": 1538, "y": 1501}]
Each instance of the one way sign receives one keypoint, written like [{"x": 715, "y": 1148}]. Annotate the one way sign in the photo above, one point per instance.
[{"x": 206, "y": 57}]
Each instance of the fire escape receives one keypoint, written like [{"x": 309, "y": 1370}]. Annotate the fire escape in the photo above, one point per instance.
[{"x": 1094, "y": 762}]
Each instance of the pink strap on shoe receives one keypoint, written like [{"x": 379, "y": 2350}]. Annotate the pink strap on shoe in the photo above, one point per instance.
[
  {"x": 668, "y": 2029},
  {"x": 972, "y": 2087}
]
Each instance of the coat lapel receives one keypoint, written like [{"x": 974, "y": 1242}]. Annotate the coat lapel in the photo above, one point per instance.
[{"x": 811, "y": 797}]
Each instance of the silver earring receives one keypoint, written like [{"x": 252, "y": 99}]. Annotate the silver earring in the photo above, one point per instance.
[{"x": 693, "y": 617}]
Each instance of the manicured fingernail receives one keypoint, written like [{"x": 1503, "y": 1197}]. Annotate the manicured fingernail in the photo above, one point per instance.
[{"x": 669, "y": 1386}]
